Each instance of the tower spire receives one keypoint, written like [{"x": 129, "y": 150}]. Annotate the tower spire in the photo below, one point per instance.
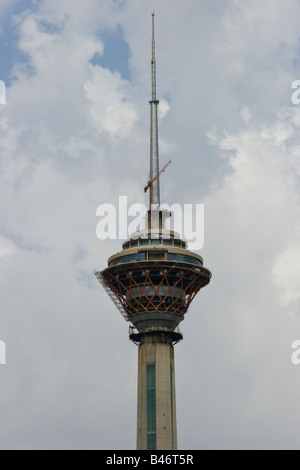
[
  {"x": 153, "y": 61},
  {"x": 154, "y": 156}
]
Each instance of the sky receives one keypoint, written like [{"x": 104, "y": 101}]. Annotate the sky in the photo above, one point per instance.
[{"x": 74, "y": 134}]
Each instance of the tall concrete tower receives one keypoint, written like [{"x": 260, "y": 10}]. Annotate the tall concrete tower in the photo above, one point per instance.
[{"x": 153, "y": 281}]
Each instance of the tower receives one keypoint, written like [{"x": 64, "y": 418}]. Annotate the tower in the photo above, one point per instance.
[{"x": 153, "y": 281}]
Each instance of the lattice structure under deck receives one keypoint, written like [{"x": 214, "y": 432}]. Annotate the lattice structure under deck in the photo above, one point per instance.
[{"x": 151, "y": 286}]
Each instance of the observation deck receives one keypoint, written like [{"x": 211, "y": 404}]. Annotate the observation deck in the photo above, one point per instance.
[{"x": 154, "y": 279}]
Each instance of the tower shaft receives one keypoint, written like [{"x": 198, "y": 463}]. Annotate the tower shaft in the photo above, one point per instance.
[{"x": 156, "y": 410}]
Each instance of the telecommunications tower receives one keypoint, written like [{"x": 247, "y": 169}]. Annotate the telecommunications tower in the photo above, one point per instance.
[{"x": 153, "y": 281}]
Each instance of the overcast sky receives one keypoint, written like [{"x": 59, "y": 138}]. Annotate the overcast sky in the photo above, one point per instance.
[{"x": 74, "y": 133}]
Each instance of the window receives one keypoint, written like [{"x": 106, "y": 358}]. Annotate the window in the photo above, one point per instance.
[
  {"x": 184, "y": 258},
  {"x": 156, "y": 255},
  {"x": 144, "y": 242},
  {"x": 128, "y": 259},
  {"x": 151, "y": 408}
]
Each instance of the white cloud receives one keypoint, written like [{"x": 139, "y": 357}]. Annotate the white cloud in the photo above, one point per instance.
[
  {"x": 246, "y": 114},
  {"x": 286, "y": 271},
  {"x": 74, "y": 135},
  {"x": 163, "y": 108},
  {"x": 251, "y": 246},
  {"x": 109, "y": 110},
  {"x": 7, "y": 247},
  {"x": 260, "y": 196}
]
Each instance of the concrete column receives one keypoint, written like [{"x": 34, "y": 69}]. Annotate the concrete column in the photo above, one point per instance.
[{"x": 156, "y": 349}]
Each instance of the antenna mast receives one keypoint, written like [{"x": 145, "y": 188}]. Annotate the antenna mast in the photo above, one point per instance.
[{"x": 154, "y": 156}]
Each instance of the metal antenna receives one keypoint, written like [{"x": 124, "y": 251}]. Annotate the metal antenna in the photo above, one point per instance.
[
  {"x": 153, "y": 61},
  {"x": 154, "y": 156}
]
